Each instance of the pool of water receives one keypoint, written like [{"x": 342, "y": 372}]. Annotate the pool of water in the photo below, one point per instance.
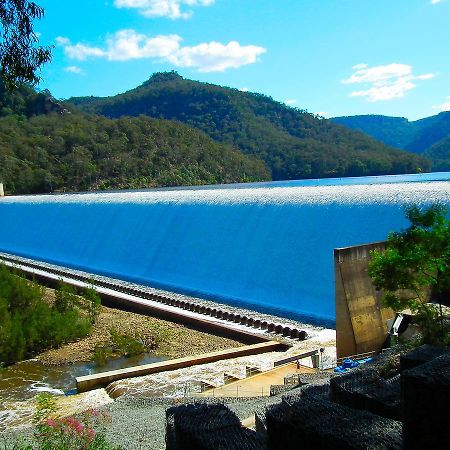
[{"x": 23, "y": 380}]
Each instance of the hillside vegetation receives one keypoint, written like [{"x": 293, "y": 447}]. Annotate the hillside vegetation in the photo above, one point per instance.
[
  {"x": 429, "y": 137},
  {"x": 293, "y": 143},
  {"x": 30, "y": 323},
  {"x": 44, "y": 148}
]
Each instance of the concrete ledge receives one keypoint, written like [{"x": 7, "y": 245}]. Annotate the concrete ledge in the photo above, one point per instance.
[
  {"x": 133, "y": 298},
  {"x": 89, "y": 382}
]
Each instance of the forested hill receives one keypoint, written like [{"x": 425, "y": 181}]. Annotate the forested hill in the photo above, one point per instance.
[
  {"x": 46, "y": 148},
  {"x": 429, "y": 137},
  {"x": 292, "y": 142}
]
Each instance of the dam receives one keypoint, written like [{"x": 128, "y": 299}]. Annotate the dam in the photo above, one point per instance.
[{"x": 264, "y": 246}]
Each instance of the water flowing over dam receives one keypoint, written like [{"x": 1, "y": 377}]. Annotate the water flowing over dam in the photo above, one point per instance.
[{"x": 267, "y": 246}]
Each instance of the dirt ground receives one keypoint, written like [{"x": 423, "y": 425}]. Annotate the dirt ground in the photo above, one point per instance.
[{"x": 158, "y": 336}]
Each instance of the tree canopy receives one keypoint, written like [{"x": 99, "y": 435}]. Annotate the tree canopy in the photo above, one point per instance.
[
  {"x": 415, "y": 269},
  {"x": 429, "y": 137},
  {"x": 292, "y": 142},
  {"x": 31, "y": 323},
  {"x": 45, "y": 148},
  {"x": 20, "y": 55}
]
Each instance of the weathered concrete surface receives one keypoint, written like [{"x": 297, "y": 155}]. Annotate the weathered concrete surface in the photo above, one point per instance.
[
  {"x": 89, "y": 382},
  {"x": 360, "y": 317},
  {"x": 257, "y": 385},
  {"x": 134, "y": 299}
]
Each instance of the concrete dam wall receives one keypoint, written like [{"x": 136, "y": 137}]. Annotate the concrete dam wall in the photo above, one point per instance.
[{"x": 267, "y": 246}]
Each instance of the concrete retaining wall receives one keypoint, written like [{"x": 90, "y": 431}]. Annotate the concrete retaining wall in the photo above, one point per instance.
[
  {"x": 183, "y": 311},
  {"x": 360, "y": 316},
  {"x": 89, "y": 382}
]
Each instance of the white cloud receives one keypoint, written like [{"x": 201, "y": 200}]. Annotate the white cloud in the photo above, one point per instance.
[
  {"x": 244, "y": 89},
  {"x": 359, "y": 66},
  {"x": 323, "y": 114},
  {"x": 290, "y": 101},
  {"x": 73, "y": 69},
  {"x": 444, "y": 106},
  {"x": 435, "y": 2},
  {"x": 82, "y": 52},
  {"x": 128, "y": 44},
  {"x": 385, "y": 82},
  {"x": 62, "y": 40},
  {"x": 216, "y": 57},
  {"x": 173, "y": 9}
]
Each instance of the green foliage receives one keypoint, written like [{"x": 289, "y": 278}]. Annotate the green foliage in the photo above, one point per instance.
[
  {"x": 44, "y": 148},
  {"x": 92, "y": 304},
  {"x": 429, "y": 137},
  {"x": 102, "y": 353},
  {"x": 45, "y": 407},
  {"x": 415, "y": 268},
  {"x": 439, "y": 153},
  {"x": 393, "y": 131},
  {"x": 67, "y": 433},
  {"x": 73, "y": 152},
  {"x": 20, "y": 57},
  {"x": 125, "y": 344},
  {"x": 28, "y": 324},
  {"x": 293, "y": 143},
  {"x": 121, "y": 345},
  {"x": 65, "y": 298}
]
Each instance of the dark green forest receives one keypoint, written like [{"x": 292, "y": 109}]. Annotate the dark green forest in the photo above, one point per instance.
[
  {"x": 293, "y": 143},
  {"x": 429, "y": 137},
  {"x": 46, "y": 148}
]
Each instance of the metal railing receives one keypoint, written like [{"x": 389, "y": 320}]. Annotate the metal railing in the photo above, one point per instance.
[{"x": 339, "y": 361}]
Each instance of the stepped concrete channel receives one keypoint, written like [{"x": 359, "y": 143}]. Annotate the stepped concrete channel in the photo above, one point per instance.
[
  {"x": 250, "y": 330},
  {"x": 205, "y": 317}
]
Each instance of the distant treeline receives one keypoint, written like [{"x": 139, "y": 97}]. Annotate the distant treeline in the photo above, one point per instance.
[
  {"x": 429, "y": 137},
  {"x": 61, "y": 151},
  {"x": 226, "y": 136},
  {"x": 292, "y": 142}
]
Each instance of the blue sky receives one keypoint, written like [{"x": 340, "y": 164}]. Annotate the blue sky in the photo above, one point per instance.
[{"x": 333, "y": 57}]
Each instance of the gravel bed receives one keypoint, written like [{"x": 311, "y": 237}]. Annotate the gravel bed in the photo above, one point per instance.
[{"x": 139, "y": 423}]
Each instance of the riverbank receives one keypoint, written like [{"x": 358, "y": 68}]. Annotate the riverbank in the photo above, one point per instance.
[{"x": 158, "y": 336}]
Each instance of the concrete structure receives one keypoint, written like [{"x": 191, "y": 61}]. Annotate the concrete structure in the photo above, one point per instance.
[
  {"x": 257, "y": 385},
  {"x": 360, "y": 317},
  {"x": 102, "y": 379},
  {"x": 136, "y": 298},
  {"x": 2, "y": 190}
]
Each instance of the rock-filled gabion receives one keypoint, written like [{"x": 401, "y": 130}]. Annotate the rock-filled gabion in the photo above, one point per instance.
[
  {"x": 202, "y": 426},
  {"x": 315, "y": 423},
  {"x": 366, "y": 389},
  {"x": 426, "y": 405},
  {"x": 420, "y": 355},
  {"x": 260, "y": 421},
  {"x": 321, "y": 389}
]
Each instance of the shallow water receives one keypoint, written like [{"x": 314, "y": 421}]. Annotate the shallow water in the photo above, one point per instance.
[{"x": 22, "y": 381}]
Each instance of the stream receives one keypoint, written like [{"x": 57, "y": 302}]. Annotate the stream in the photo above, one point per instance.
[{"x": 21, "y": 382}]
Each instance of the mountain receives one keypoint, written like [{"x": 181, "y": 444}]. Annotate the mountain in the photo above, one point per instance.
[
  {"x": 428, "y": 137},
  {"x": 439, "y": 153},
  {"x": 293, "y": 143},
  {"x": 44, "y": 147}
]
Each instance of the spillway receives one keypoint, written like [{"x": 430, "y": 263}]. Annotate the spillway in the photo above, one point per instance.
[{"x": 267, "y": 246}]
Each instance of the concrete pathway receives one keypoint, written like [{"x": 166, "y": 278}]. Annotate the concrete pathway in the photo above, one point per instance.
[{"x": 257, "y": 385}]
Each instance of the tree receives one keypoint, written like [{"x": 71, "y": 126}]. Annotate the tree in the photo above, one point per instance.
[
  {"x": 20, "y": 57},
  {"x": 414, "y": 270}
]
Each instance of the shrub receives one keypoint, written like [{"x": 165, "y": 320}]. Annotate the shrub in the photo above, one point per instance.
[{"x": 29, "y": 324}]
